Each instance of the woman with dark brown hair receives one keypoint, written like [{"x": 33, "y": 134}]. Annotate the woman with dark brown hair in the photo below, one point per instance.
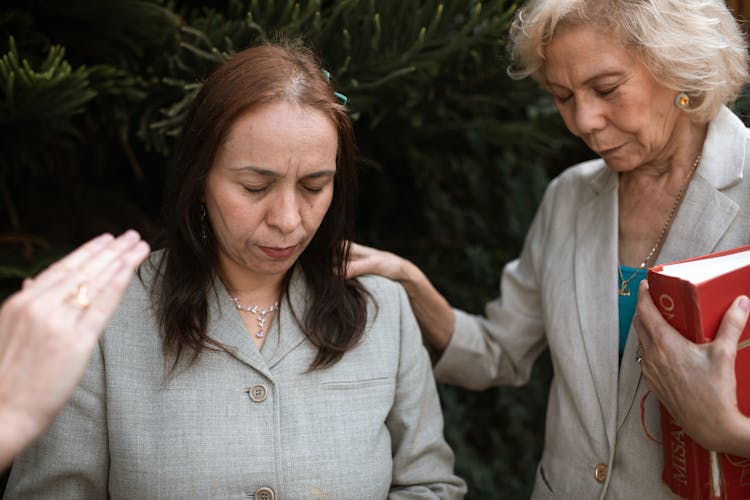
[{"x": 243, "y": 363}]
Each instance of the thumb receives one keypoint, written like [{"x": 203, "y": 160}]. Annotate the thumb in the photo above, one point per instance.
[{"x": 733, "y": 321}]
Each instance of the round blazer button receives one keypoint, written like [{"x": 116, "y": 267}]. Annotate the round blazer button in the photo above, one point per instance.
[
  {"x": 264, "y": 493},
  {"x": 258, "y": 393},
  {"x": 600, "y": 473}
]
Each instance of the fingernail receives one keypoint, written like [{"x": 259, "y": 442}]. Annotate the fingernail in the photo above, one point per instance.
[
  {"x": 143, "y": 248},
  {"x": 102, "y": 238},
  {"x": 100, "y": 241},
  {"x": 130, "y": 235},
  {"x": 744, "y": 303}
]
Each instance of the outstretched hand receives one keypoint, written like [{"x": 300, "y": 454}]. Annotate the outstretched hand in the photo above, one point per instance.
[
  {"x": 49, "y": 328},
  {"x": 696, "y": 382}
]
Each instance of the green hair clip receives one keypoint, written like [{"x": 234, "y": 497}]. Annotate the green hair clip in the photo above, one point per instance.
[{"x": 341, "y": 97}]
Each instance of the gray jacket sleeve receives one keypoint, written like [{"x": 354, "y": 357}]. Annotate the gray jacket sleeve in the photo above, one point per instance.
[
  {"x": 422, "y": 460},
  {"x": 71, "y": 459}
]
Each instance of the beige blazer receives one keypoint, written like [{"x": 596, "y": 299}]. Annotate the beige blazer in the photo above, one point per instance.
[
  {"x": 561, "y": 294},
  {"x": 250, "y": 424}
]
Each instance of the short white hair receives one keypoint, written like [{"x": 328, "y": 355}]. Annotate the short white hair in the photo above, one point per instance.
[{"x": 692, "y": 46}]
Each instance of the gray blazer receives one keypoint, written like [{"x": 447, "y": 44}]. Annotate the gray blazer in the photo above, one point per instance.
[
  {"x": 561, "y": 294},
  {"x": 245, "y": 424}
]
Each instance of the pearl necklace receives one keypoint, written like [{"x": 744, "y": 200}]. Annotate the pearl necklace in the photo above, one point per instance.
[
  {"x": 259, "y": 313},
  {"x": 624, "y": 286}
]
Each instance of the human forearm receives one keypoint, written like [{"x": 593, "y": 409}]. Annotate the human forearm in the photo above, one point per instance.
[{"x": 433, "y": 312}]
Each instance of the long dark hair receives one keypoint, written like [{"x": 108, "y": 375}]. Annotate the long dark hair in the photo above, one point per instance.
[{"x": 336, "y": 315}]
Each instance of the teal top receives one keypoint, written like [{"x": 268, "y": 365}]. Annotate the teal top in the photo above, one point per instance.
[{"x": 627, "y": 303}]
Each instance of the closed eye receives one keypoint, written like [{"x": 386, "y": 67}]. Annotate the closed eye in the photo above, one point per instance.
[
  {"x": 317, "y": 182},
  {"x": 607, "y": 91}
]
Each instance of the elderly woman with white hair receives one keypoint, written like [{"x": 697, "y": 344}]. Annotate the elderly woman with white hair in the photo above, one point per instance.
[{"x": 645, "y": 84}]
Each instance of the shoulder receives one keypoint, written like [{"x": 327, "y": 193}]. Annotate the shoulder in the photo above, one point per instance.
[
  {"x": 388, "y": 301},
  {"x": 588, "y": 175},
  {"x": 136, "y": 303},
  {"x": 380, "y": 286},
  {"x": 575, "y": 187},
  {"x": 133, "y": 335},
  {"x": 384, "y": 292},
  {"x": 726, "y": 155},
  {"x": 143, "y": 280}
]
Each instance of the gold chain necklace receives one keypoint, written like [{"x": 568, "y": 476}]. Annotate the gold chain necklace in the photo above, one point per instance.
[{"x": 624, "y": 286}]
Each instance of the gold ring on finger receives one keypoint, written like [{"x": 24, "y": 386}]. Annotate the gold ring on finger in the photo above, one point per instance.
[{"x": 79, "y": 297}]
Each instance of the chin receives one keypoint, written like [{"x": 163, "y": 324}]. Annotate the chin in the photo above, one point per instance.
[{"x": 620, "y": 165}]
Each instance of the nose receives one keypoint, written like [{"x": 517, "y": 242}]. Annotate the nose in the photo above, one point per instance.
[
  {"x": 284, "y": 212},
  {"x": 588, "y": 117}
]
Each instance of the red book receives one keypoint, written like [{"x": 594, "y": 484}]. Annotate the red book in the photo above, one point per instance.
[{"x": 693, "y": 295}]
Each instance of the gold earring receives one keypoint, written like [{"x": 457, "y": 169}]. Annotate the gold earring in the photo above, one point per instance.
[{"x": 682, "y": 100}]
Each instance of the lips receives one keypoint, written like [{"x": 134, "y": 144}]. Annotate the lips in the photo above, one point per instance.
[
  {"x": 278, "y": 252},
  {"x": 605, "y": 152}
]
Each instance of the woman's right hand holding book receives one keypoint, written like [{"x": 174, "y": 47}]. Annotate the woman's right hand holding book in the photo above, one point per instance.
[{"x": 696, "y": 382}]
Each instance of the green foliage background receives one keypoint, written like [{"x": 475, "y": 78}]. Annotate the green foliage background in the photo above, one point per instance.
[{"x": 454, "y": 154}]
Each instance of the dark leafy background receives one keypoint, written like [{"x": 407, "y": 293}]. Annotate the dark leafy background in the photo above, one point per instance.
[{"x": 454, "y": 154}]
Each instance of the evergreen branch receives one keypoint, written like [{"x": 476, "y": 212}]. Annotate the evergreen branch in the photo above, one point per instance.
[
  {"x": 213, "y": 54},
  {"x": 298, "y": 18},
  {"x": 250, "y": 21},
  {"x": 382, "y": 81},
  {"x": 436, "y": 18},
  {"x": 54, "y": 90},
  {"x": 416, "y": 46},
  {"x": 375, "y": 40},
  {"x": 12, "y": 272}
]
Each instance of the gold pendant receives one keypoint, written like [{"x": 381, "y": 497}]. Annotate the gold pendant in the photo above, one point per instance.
[{"x": 624, "y": 290}]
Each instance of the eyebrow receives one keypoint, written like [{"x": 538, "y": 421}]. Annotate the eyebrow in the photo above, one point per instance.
[
  {"x": 588, "y": 80},
  {"x": 272, "y": 173}
]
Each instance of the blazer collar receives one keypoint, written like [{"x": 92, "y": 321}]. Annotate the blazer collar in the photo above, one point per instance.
[
  {"x": 724, "y": 150},
  {"x": 292, "y": 310},
  {"x": 225, "y": 326},
  {"x": 706, "y": 212}
]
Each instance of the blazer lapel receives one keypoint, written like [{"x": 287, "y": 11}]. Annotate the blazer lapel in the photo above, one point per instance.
[
  {"x": 288, "y": 332},
  {"x": 226, "y": 326},
  {"x": 706, "y": 212},
  {"x": 596, "y": 290},
  {"x": 704, "y": 217}
]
